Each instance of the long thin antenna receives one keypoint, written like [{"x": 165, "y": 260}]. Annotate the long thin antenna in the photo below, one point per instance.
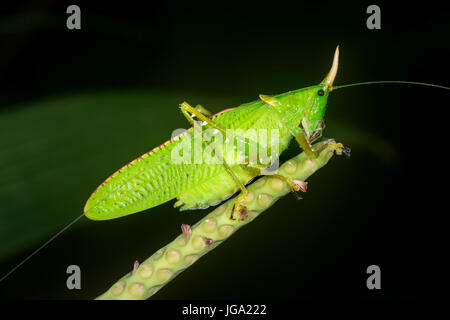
[
  {"x": 40, "y": 248},
  {"x": 401, "y": 82}
]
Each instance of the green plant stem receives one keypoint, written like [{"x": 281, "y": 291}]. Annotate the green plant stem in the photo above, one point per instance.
[{"x": 212, "y": 230}]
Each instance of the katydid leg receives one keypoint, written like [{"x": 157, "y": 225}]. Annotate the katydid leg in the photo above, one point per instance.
[
  {"x": 259, "y": 169},
  {"x": 188, "y": 111},
  {"x": 203, "y": 110}
]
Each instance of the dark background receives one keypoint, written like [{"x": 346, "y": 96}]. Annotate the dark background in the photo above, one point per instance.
[{"x": 75, "y": 105}]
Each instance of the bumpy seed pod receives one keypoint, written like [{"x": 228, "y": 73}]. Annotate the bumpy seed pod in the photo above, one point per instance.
[{"x": 194, "y": 242}]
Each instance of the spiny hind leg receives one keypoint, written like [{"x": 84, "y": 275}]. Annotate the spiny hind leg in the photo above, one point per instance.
[
  {"x": 190, "y": 111},
  {"x": 203, "y": 110},
  {"x": 237, "y": 206}
]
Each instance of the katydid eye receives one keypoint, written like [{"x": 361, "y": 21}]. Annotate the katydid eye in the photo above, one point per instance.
[{"x": 320, "y": 92}]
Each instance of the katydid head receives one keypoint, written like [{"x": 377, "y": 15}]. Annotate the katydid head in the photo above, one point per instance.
[
  {"x": 316, "y": 100},
  {"x": 305, "y": 107}
]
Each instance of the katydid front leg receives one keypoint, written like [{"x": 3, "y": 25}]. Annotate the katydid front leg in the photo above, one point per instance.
[
  {"x": 302, "y": 140},
  {"x": 304, "y": 144}
]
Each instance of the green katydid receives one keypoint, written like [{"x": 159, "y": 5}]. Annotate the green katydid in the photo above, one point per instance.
[{"x": 153, "y": 178}]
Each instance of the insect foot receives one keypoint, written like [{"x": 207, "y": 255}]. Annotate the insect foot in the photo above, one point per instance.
[
  {"x": 301, "y": 186},
  {"x": 238, "y": 211},
  {"x": 243, "y": 213},
  {"x": 339, "y": 148},
  {"x": 347, "y": 152}
]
